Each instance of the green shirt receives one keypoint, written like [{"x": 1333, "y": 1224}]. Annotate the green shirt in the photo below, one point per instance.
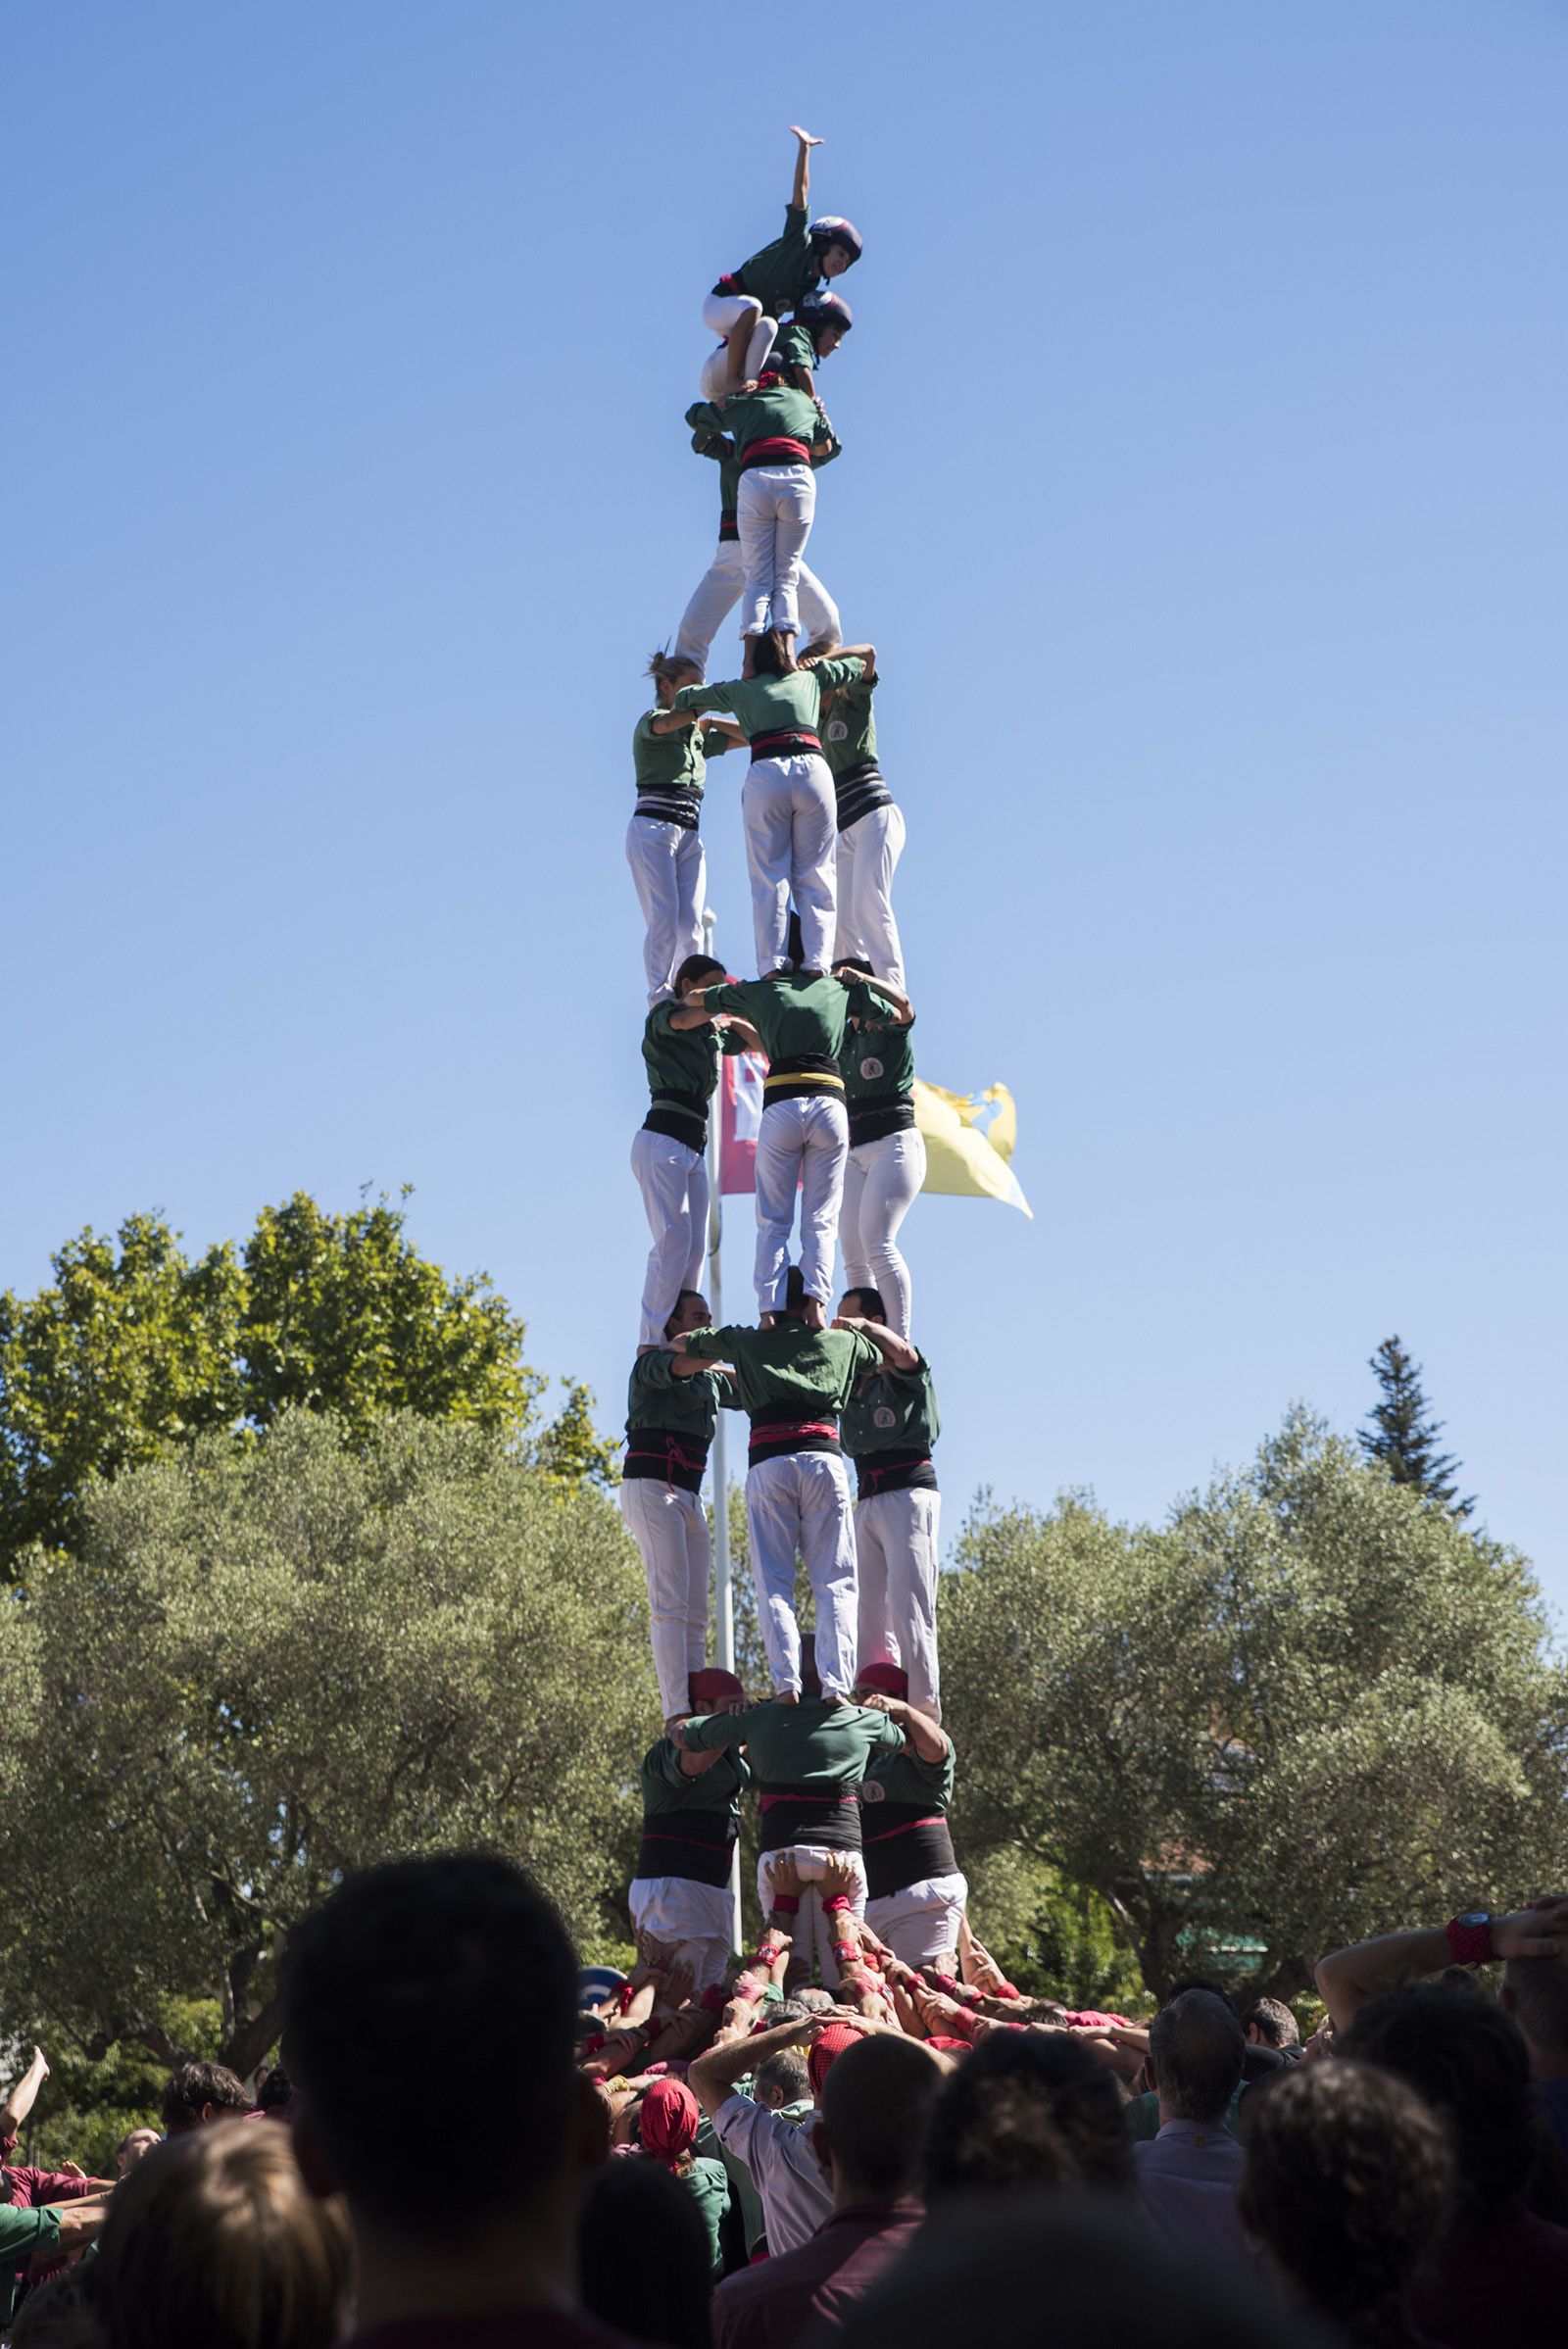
[
  {"x": 849, "y": 737},
  {"x": 674, "y": 765},
  {"x": 796, "y": 1014},
  {"x": 793, "y": 347},
  {"x": 655, "y": 1398},
  {"x": 776, "y": 412},
  {"x": 22, "y": 2233},
  {"x": 893, "y": 1411},
  {"x": 775, "y": 705},
  {"x": 904, "y": 1778},
  {"x": 876, "y": 1060},
  {"x": 708, "y": 441},
  {"x": 782, "y": 273},
  {"x": 666, "y": 1786},
  {"x": 789, "y": 1372},
  {"x": 710, "y": 2183},
  {"x": 684, "y": 1059},
  {"x": 811, "y": 1743}
]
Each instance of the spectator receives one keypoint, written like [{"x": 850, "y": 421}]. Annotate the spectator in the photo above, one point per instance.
[
  {"x": 667, "y": 2125},
  {"x": 1063, "y": 2272},
  {"x": 1535, "y": 1992},
  {"x": 41, "y": 2233},
  {"x": 785, "y": 2171},
  {"x": 874, "y": 2103},
  {"x": 1026, "y": 2109},
  {"x": 274, "y": 2096},
  {"x": 215, "y": 2239},
  {"x": 784, "y": 2082},
  {"x": 1498, "y": 2270},
  {"x": 1269, "y": 2022},
  {"x": 58, "y": 2314},
  {"x": 462, "y": 1958},
  {"x": 132, "y": 2146},
  {"x": 1348, "y": 2182},
  {"x": 1188, "y": 2174},
  {"x": 643, "y": 2260},
  {"x": 198, "y": 2094}
]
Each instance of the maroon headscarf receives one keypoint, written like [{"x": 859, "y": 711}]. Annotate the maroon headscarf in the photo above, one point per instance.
[{"x": 669, "y": 2121}]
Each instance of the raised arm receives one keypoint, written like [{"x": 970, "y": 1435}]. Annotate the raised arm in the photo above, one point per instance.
[
  {"x": 727, "y": 731},
  {"x": 23, "y": 2096},
  {"x": 672, "y": 721},
  {"x": 801, "y": 191},
  {"x": 1348, "y": 1978},
  {"x": 866, "y": 653},
  {"x": 713, "y": 2076},
  {"x": 895, "y": 1351}
]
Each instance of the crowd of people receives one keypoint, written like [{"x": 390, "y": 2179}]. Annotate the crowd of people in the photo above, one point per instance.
[{"x": 622, "y": 2159}]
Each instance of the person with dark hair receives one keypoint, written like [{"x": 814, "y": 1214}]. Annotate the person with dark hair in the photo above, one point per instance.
[
  {"x": 1269, "y": 2022},
  {"x": 874, "y": 2103},
  {"x": 807, "y": 339},
  {"x": 1535, "y": 1992},
  {"x": 679, "y": 1895},
  {"x": 890, "y": 1428},
  {"x": 787, "y": 797},
  {"x": 216, "y": 2238},
  {"x": 887, "y": 1162},
  {"x": 1188, "y": 2175},
  {"x": 197, "y": 2094},
  {"x": 669, "y": 752},
  {"x": 870, "y": 822},
  {"x": 1348, "y": 2182},
  {"x": 462, "y": 1957},
  {"x": 809, "y": 1755},
  {"x": 683, "y": 1043},
  {"x": 793, "y": 1381},
  {"x": 1063, "y": 2272},
  {"x": 718, "y": 591},
  {"x": 803, "y": 1139},
  {"x": 915, "y": 1893},
  {"x": 747, "y": 303},
  {"x": 669, "y": 1427},
  {"x": 1498, "y": 2268},
  {"x": 643, "y": 2258},
  {"x": 1026, "y": 2109}
]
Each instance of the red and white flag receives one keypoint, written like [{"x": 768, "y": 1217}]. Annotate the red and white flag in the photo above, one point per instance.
[{"x": 740, "y": 1093}]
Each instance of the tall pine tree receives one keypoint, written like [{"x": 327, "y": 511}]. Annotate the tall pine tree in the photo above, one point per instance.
[{"x": 1401, "y": 1433}]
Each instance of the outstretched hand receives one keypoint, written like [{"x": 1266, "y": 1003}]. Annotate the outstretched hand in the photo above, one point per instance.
[
  {"x": 783, "y": 1875},
  {"x": 1539, "y": 1931},
  {"x": 841, "y": 1877}
]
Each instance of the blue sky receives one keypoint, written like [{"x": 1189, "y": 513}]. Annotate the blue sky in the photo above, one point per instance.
[{"x": 1204, "y": 490}]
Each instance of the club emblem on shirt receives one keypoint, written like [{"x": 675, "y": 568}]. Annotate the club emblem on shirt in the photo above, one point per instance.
[
  {"x": 870, "y": 1069},
  {"x": 872, "y": 1790},
  {"x": 837, "y": 730},
  {"x": 882, "y": 1417}
]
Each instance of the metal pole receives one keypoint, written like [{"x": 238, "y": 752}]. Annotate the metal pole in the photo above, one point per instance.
[{"x": 723, "y": 1586}]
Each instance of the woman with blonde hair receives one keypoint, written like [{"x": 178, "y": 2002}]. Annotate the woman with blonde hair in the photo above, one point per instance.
[{"x": 215, "y": 2242}]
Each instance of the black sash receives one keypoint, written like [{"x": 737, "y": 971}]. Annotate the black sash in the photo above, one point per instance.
[
  {"x": 903, "y": 1843},
  {"x": 809, "y": 1815},
  {"x": 697, "y": 1845}
]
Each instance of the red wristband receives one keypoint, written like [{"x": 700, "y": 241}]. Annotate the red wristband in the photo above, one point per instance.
[
  {"x": 786, "y": 1904},
  {"x": 625, "y": 1996},
  {"x": 768, "y": 1955},
  {"x": 751, "y": 1991},
  {"x": 715, "y": 1998},
  {"x": 840, "y": 1901},
  {"x": 1471, "y": 1944}
]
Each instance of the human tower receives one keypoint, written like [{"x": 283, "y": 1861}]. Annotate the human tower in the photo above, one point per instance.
[{"x": 853, "y": 1769}]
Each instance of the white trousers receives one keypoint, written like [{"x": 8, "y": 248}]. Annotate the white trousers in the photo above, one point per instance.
[
  {"x": 669, "y": 1526},
  {"x": 774, "y": 511},
  {"x": 880, "y": 1185},
  {"x": 799, "y": 1505},
  {"x": 721, "y": 314},
  {"x": 896, "y": 1536},
  {"x": 921, "y": 1920},
  {"x": 696, "y": 1919},
  {"x": 787, "y": 811},
  {"x": 666, "y": 866},
  {"x": 868, "y": 858},
  {"x": 811, "y": 1918},
  {"x": 673, "y": 1181},
  {"x": 718, "y": 591},
  {"x": 801, "y": 1144}
]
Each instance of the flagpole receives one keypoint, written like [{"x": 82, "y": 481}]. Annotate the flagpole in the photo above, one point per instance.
[{"x": 723, "y": 1590}]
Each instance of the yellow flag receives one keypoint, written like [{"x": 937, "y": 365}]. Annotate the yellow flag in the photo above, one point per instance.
[{"x": 968, "y": 1142}]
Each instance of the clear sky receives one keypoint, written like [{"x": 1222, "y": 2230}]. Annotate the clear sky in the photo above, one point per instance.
[{"x": 1203, "y": 489}]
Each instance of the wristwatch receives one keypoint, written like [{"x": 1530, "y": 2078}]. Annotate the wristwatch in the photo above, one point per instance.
[{"x": 1470, "y": 1937}]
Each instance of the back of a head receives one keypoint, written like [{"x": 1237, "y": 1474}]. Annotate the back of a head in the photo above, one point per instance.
[
  {"x": 1026, "y": 2109},
  {"x": 772, "y": 655},
  {"x": 189, "y": 2091},
  {"x": 645, "y": 2266},
  {"x": 1348, "y": 2179},
  {"x": 464, "y": 1960},
  {"x": 794, "y": 1291},
  {"x": 875, "y": 2101},
  {"x": 784, "y": 2078},
  {"x": 1063, "y": 2272},
  {"x": 1467, "y": 2060},
  {"x": 1198, "y": 2049},
  {"x": 58, "y": 2314},
  {"x": 1273, "y": 2021},
  {"x": 216, "y": 2243}
]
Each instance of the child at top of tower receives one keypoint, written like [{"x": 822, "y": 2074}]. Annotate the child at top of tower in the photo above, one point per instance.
[{"x": 747, "y": 303}]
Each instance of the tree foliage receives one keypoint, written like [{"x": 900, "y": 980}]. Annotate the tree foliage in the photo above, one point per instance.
[
  {"x": 269, "y": 1664},
  {"x": 1307, "y": 1709},
  {"x": 135, "y": 1349},
  {"x": 1402, "y": 1435}
]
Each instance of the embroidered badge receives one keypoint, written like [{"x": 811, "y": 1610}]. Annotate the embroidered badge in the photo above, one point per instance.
[{"x": 870, "y": 1069}]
